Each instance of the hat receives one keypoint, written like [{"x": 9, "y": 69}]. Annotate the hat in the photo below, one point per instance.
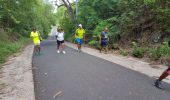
[{"x": 80, "y": 25}]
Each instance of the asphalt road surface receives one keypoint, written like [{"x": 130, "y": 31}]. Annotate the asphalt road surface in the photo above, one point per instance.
[{"x": 79, "y": 76}]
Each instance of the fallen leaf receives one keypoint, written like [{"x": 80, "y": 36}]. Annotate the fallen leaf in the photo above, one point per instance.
[{"x": 57, "y": 94}]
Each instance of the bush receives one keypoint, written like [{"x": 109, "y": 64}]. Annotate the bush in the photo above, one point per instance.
[
  {"x": 165, "y": 50},
  {"x": 115, "y": 46},
  {"x": 154, "y": 53},
  {"x": 7, "y": 47},
  {"x": 138, "y": 52},
  {"x": 95, "y": 44},
  {"x": 100, "y": 27},
  {"x": 165, "y": 60},
  {"x": 123, "y": 52}
]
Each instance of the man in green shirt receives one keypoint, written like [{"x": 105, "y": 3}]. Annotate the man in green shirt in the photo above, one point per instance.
[{"x": 79, "y": 36}]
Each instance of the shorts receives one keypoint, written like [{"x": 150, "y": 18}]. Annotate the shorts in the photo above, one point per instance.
[
  {"x": 36, "y": 44},
  {"x": 168, "y": 70},
  {"x": 59, "y": 42},
  {"x": 79, "y": 41},
  {"x": 104, "y": 42},
  {"x": 36, "y": 41}
]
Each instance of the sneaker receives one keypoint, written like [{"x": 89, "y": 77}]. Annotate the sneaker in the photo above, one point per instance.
[
  {"x": 64, "y": 52},
  {"x": 158, "y": 84},
  {"x": 58, "y": 51}
]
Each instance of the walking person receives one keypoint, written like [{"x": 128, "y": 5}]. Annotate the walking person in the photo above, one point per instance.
[
  {"x": 79, "y": 37},
  {"x": 104, "y": 40},
  {"x": 165, "y": 74},
  {"x": 35, "y": 35},
  {"x": 60, "y": 40}
]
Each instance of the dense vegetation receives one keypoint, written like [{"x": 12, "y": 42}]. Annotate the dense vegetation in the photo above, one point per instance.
[
  {"x": 137, "y": 27},
  {"x": 17, "y": 18}
]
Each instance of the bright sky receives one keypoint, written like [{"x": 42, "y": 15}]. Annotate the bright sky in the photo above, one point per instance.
[{"x": 53, "y": 2}]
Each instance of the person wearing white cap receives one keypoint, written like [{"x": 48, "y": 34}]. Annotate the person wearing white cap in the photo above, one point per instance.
[{"x": 79, "y": 36}]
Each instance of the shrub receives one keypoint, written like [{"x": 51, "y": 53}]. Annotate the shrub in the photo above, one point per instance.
[
  {"x": 138, "y": 52},
  {"x": 123, "y": 52},
  {"x": 154, "y": 53},
  {"x": 165, "y": 50},
  {"x": 95, "y": 44},
  {"x": 99, "y": 28},
  {"x": 165, "y": 60},
  {"x": 115, "y": 46},
  {"x": 7, "y": 47}
]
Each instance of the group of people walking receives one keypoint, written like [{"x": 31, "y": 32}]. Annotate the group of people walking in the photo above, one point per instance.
[{"x": 79, "y": 38}]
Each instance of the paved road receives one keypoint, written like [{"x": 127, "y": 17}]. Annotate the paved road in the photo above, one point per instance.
[{"x": 84, "y": 77}]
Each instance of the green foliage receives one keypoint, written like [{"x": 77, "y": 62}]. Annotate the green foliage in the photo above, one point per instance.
[
  {"x": 100, "y": 27},
  {"x": 115, "y": 46},
  {"x": 138, "y": 52},
  {"x": 22, "y": 15},
  {"x": 154, "y": 53},
  {"x": 7, "y": 47},
  {"x": 17, "y": 18},
  {"x": 94, "y": 43},
  {"x": 123, "y": 52},
  {"x": 68, "y": 28},
  {"x": 165, "y": 50},
  {"x": 127, "y": 20}
]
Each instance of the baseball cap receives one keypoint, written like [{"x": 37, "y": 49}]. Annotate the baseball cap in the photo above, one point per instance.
[{"x": 80, "y": 25}]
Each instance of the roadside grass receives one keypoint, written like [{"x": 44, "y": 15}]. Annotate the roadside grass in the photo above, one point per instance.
[{"x": 8, "y": 48}]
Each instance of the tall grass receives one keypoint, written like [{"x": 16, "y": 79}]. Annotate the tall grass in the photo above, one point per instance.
[{"x": 7, "y": 47}]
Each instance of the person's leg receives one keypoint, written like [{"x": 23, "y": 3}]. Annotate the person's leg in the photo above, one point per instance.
[
  {"x": 106, "y": 50},
  {"x": 58, "y": 46},
  {"x": 78, "y": 42},
  {"x": 163, "y": 76},
  {"x": 101, "y": 46},
  {"x": 63, "y": 47},
  {"x": 80, "y": 45},
  {"x": 39, "y": 48},
  {"x": 36, "y": 49}
]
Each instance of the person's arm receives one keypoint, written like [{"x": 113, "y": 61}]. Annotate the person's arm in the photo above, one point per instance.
[
  {"x": 39, "y": 35},
  {"x": 64, "y": 35},
  {"x": 56, "y": 34},
  {"x": 31, "y": 35},
  {"x": 84, "y": 35}
]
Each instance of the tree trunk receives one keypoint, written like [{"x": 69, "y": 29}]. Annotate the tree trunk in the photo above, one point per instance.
[{"x": 67, "y": 4}]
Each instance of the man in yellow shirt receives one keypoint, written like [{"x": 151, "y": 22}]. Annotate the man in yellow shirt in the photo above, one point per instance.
[
  {"x": 36, "y": 40},
  {"x": 79, "y": 36}
]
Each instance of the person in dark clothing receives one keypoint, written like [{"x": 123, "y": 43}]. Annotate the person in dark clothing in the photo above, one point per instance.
[
  {"x": 104, "y": 40},
  {"x": 165, "y": 74}
]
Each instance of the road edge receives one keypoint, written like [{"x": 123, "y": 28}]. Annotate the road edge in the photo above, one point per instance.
[
  {"x": 145, "y": 68},
  {"x": 18, "y": 76}
]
